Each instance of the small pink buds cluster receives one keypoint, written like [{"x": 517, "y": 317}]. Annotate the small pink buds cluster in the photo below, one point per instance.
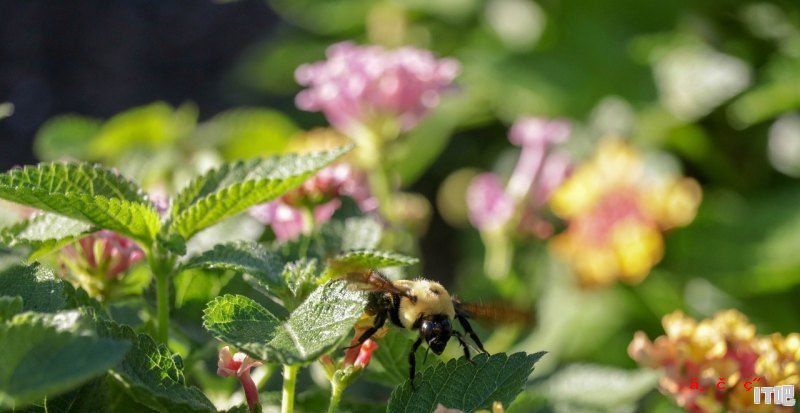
[
  {"x": 239, "y": 365},
  {"x": 364, "y": 86},
  {"x": 104, "y": 253},
  {"x": 539, "y": 170},
  {"x": 316, "y": 201}
]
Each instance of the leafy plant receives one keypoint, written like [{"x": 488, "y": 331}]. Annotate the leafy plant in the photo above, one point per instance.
[{"x": 311, "y": 314}]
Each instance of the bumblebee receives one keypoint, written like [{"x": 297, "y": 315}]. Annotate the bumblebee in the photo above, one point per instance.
[{"x": 423, "y": 306}]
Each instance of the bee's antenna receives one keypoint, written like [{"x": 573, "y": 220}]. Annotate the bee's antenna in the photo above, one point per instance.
[{"x": 425, "y": 359}]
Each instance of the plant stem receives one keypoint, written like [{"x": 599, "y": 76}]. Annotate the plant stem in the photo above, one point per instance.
[
  {"x": 289, "y": 380},
  {"x": 380, "y": 185},
  {"x": 161, "y": 266},
  {"x": 336, "y": 396},
  {"x": 162, "y": 299}
]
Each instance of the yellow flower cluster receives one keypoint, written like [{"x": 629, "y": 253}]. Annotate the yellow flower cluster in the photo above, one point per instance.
[
  {"x": 714, "y": 364},
  {"x": 617, "y": 207}
]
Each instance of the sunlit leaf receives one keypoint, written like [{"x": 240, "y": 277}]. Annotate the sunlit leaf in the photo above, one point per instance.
[
  {"x": 318, "y": 325},
  {"x": 459, "y": 384},
  {"x": 153, "y": 375},
  {"x": 39, "y": 359},
  {"x": 84, "y": 192},
  {"x": 234, "y": 187},
  {"x": 65, "y": 137},
  {"x": 44, "y": 233}
]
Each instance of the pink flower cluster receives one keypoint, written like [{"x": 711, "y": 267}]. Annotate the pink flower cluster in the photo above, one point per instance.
[
  {"x": 361, "y": 85},
  {"x": 106, "y": 253},
  {"x": 538, "y": 171},
  {"x": 320, "y": 195}
]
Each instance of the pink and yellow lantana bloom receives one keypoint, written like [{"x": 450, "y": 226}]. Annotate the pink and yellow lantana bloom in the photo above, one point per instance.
[{"x": 617, "y": 207}]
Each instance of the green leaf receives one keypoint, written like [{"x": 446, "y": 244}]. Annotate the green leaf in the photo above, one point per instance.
[
  {"x": 41, "y": 360},
  {"x": 300, "y": 277},
  {"x": 248, "y": 133},
  {"x": 459, "y": 384},
  {"x": 318, "y": 325},
  {"x": 389, "y": 364},
  {"x": 153, "y": 375},
  {"x": 368, "y": 259},
  {"x": 147, "y": 127},
  {"x": 44, "y": 233},
  {"x": 91, "y": 397},
  {"x": 65, "y": 137},
  {"x": 37, "y": 285},
  {"x": 246, "y": 257},
  {"x": 84, "y": 192},
  {"x": 9, "y": 307},
  {"x": 234, "y": 187},
  {"x": 737, "y": 240}
]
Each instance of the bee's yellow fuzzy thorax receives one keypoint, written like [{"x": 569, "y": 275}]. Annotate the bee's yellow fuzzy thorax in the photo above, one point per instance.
[{"x": 431, "y": 299}]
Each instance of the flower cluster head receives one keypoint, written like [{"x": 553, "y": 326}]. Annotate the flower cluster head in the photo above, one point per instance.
[
  {"x": 103, "y": 254},
  {"x": 617, "y": 207},
  {"x": 714, "y": 364},
  {"x": 319, "y": 197},
  {"x": 539, "y": 170},
  {"x": 365, "y": 86}
]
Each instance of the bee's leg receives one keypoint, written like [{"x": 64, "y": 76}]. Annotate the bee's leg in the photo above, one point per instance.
[
  {"x": 464, "y": 346},
  {"x": 380, "y": 320},
  {"x": 412, "y": 361},
  {"x": 468, "y": 328}
]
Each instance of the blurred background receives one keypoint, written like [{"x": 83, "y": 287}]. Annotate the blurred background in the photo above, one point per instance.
[{"x": 707, "y": 89}]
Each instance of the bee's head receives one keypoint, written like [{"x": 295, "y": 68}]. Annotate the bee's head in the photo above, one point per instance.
[{"x": 436, "y": 330}]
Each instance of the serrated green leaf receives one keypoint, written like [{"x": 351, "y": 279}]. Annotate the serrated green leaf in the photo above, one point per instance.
[
  {"x": 234, "y": 187},
  {"x": 84, "y": 192},
  {"x": 39, "y": 359},
  {"x": 37, "y": 285},
  {"x": 75, "y": 321},
  {"x": 44, "y": 233},
  {"x": 459, "y": 384},
  {"x": 300, "y": 277},
  {"x": 317, "y": 326},
  {"x": 366, "y": 260},
  {"x": 10, "y": 306},
  {"x": 246, "y": 257},
  {"x": 65, "y": 137},
  {"x": 152, "y": 374}
]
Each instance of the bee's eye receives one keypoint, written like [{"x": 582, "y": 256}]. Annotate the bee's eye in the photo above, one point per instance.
[{"x": 426, "y": 328}]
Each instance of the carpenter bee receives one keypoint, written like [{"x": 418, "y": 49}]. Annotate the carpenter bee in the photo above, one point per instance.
[{"x": 423, "y": 306}]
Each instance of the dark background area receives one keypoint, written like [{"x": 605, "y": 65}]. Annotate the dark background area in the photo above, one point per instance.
[{"x": 98, "y": 58}]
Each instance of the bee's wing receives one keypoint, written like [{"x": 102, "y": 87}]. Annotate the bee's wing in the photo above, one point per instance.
[
  {"x": 374, "y": 281},
  {"x": 496, "y": 313}
]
